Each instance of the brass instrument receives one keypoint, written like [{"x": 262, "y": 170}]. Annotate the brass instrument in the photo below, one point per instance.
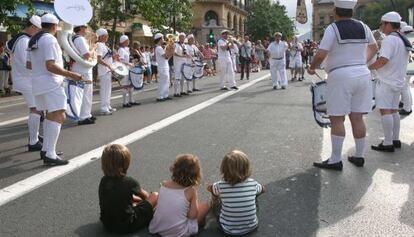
[{"x": 170, "y": 48}]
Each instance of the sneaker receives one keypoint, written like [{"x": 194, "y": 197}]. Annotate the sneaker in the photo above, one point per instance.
[
  {"x": 326, "y": 165},
  {"x": 396, "y": 143},
  {"x": 224, "y": 89},
  {"x": 357, "y": 161},
  {"x": 106, "y": 113},
  {"x": 405, "y": 112},
  {"x": 93, "y": 118},
  {"x": 234, "y": 88},
  {"x": 112, "y": 109},
  {"x": 126, "y": 105},
  {"x": 134, "y": 103},
  {"x": 54, "y": 162},
  {"x": 35, "y": 147},
  {"x": 43, "y": 154},
  {"x": 385, "y": 148},
  {"x": 86, "y": 121}
]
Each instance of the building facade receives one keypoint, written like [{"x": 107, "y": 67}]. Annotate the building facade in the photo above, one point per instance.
[
  {"x": 212, "y": 16},
  {"x": 323, "y": 15}
]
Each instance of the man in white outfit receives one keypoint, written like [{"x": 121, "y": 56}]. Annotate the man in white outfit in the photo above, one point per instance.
[
  {"x": 47, "y": 85},
  {"x": 194, "y": 53},
  {"x": 162, "y": 56},
  {"x": 347, "y": 45},
  {"x": 226, "y": 65},
  {"x": 180, "y": 56},
  {"x": 406, "y": 97},
  {"x": 296, "y": 58},
  {"x": 105, "y": 62},
  {"x": 277, "y": 60},
  {"x": 79, "y": 41},
  {"x": 391, "y": 66},
  {"x": 21, "y": 77}
]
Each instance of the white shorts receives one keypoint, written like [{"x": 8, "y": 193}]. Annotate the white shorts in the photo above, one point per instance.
[
  {"x": 29, "y": 98},
  {"x": 386, "y": 96},
  {"x": 51, "y": 101},
  {"x": 346, "y": 94}
]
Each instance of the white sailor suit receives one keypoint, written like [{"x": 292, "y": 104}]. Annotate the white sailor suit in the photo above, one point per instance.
[
  {"x": 277, "y": 61},
  {"x": 226, "y": 65}
]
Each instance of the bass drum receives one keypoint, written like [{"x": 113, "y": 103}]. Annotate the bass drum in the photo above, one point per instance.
[
  {"x": 136, "y": 76},
  {"x": 120, "y": 71},
  {"x": 199, "y": 69},
  {"x": 74, "y": 95},
  {"x": 187, "y": 71}
]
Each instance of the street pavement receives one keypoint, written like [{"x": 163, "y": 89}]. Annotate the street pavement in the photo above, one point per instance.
[{"x": 274, "y": 127}]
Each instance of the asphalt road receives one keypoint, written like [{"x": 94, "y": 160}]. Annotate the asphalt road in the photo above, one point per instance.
[{"x": 275, "y": 128}]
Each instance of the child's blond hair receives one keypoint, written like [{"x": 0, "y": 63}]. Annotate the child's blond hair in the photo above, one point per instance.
[
  {"x": 235, "y": 167},
  {"x": 186, "y": 170},
  {"x": 115, "y": 160}
]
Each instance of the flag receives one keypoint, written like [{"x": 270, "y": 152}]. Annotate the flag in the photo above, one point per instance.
[{"x": 301, "y": 13}]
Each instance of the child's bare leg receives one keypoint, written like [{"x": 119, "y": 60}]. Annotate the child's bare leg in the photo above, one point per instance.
[
  {"x": 152, "y": 199},
  {"x": 203, "y": 208}
]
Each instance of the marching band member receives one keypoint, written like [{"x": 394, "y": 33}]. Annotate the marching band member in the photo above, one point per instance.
[
  {"x": 226, "y": 64},
  {"x": 296, "y": 58},
  {"x": 47, "y": 78},
  {"x": 406, "y": 97},
  {"x": 194, "y": 53},
  {"x": 277, "y": 51},
  {"x": 347, "y": 45},
  {"x": 21, "y": 77},
  {"x": 105, "y": 60},
  {"x": 234, "y": 53},
  {"x": 391, "y": 66},
  {"x": 162, "y": 56},
  {"x": 180, "y": 56},
  {"x": 127, "y": 88},
  {"x": 82, "y": 46}
]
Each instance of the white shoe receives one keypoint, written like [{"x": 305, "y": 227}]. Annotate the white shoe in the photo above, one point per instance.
[
  {"x": 106, "y": 113},
  {"x": 112, "y": 109}
]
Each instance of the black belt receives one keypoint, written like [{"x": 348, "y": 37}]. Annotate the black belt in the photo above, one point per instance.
[
  {"x": 278, "y": 58},
  {"x": 343, "y": 66}
]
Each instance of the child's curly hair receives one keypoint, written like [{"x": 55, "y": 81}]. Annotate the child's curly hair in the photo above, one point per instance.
[
  {"x": 235, "y": 167},
  {"x": 186, "y": 170}
]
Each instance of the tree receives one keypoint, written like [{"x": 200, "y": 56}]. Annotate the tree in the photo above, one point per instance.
[
  {"x": 266, "y": 18},
  {"x": 8, "y": 7},
  {"x": 175, "y": 14},
  {"x": 373, "y": 12}
]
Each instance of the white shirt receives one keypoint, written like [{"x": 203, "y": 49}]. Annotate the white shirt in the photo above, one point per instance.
[
  {"x": 222, "y": 54},
  {"x": 179, "y": 50},
  {"x": 296, "y": 50},
  {"x": 44, "y": 81},
  {"x": 124, "y": 55},
  {"x": 21, "y": 76},
  {"x": 393, "y": 73},
  {"x": 102, "y": 50},
  {"x": 83, "y": 48},
  {"x": 160, "y": 58},
  {"x": 193, "y": 51},
  {"x": 277, "y": 50},
  {"x": 148, "y": 57},
  {"x": 234, "y": 51},
  {"x": 345, "y": 54}
]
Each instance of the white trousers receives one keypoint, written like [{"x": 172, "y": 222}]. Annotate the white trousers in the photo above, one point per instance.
[
  {"x": 406, "y": 96},
  {"x": 164, "y": 83},
  {"x": 278, "y": 73},
  {"x": 227, "y": 73},
  {"x": 86, "y": 108},
  {"x": 4, "y": 79},
  {"x": 105, "y": 90}
]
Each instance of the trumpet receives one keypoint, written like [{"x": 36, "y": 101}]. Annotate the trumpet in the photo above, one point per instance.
[{"x": 171, "y": 39}]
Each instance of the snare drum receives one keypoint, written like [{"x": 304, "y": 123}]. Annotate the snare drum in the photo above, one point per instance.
[
  {"x": 187, "y": 71},
  {"x": 136, "y": 77},
  {"x": 74, "y": 94},
  {"x": 120, "y": 71},
  {"x": 199, "y": 69}
]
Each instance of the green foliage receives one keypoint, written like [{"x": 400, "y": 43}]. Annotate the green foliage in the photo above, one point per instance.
[
  {"x": 161, "y": 13},
  {"x": 9, "y": 6},
  {"x": 373, "y": 12},
  {"x": 267, "y": 18}
]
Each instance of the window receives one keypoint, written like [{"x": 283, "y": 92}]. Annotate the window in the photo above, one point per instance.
[
  {"x": 321, "y": 20},
  {"x": 211, "y": 15}
]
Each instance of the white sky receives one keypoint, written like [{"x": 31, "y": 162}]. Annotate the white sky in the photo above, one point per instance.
[{"x": 291, "y": 9}]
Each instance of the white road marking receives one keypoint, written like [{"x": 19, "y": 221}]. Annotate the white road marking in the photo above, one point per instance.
[
  {"x": 11, "y": 121},
  {"x": 20, "y": 188}
]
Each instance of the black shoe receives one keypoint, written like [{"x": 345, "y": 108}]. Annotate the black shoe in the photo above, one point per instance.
[
  {"x": 196, "y": 90},
  {"x": 35, "y": 147},
  {"x": 54, "y": 162},
  {"x": 40, "y": 138},
  {"x": 224, "y": 89},
  {"x": 160, "y": 100},
  {"x": 43, "y": 154},
  {"x": 396, "y": 143},
  {"x": 234, "y": 88},
  {"x": 184, "y": 93},
  {"x": 167, "y": 98},
  {"x": 275, "y": 88},
  {"x": 177, "y": 95},
  {"x": 93, "y": 118},
  {"x": 134, "y": 103},
  {"x": 126, "y": 105},
  {"x": 381, "y": 147},
  {"x": 325, "y": 165},
  {"x": 189, "y": 91},
  {"x": 357, "y": 161},
  {"x": 86, "y": 121},
  {"x": 401, "y": 104},
  {"x": 405, "y": 112}
]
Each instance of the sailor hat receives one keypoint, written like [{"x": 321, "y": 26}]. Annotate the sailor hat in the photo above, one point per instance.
[
  {"x": 36, "y": 21},
  {"x": 346, "y": 4},
  {"x": 391, "y": 17},
  {"x": 101, "y": 32},
  {"x": 225, "y": 31},
  {"x": 278, "y": 34},
  {"x": 158, "y": 35},
  {"x": 123, "y": 38},
  {"x": 190, "y": 36},
  {"x": 407, "y": 29},
  {"x": 50, "y": 18},
  {"x": 182, "y": 34}
]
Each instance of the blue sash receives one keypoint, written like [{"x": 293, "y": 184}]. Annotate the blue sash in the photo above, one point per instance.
[{"x": 350, "y": 31}]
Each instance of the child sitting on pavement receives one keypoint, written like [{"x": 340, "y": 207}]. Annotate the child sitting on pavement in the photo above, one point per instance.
[
  {"x": 179, "y": 213},
  {"x": 236, "y": 195},
  {"x": 125, "y": 206}
]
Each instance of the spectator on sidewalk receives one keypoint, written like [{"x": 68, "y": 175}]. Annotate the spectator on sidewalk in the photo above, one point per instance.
[{"x": 4, "y": 69}]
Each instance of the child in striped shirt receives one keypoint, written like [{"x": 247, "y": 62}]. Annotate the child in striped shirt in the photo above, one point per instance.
[{"x": 237, "y": 195}]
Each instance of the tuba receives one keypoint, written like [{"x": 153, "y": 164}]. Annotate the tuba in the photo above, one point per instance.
[{"x": 74, "y": 12}]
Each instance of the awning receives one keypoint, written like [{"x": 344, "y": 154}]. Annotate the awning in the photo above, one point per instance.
[{"x": 40, "y": 8}]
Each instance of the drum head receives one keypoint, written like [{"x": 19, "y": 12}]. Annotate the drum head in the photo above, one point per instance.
[
  {"x": 120, "y": 69},
  {"x": 75, "y": 12}
]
